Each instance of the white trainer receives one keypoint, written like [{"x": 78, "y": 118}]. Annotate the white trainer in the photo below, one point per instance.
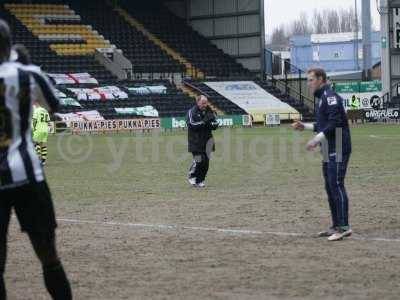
[
  {"x": 326, "y": 233},
  {"x": 201, "y": 184},
  {"x": 339, "y": 235},
  {"x": 192, "y": 181}
]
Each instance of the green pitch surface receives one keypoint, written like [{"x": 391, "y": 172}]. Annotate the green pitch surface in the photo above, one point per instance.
[{"x": 131, "y": 227}]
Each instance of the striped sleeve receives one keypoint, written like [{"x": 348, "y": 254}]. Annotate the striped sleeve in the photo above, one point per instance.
[
  {"x": 192, "y": 122},
  {"x": 43, "y": 91}
]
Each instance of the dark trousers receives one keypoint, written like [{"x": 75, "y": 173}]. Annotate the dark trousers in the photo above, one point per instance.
[
  {"x": 199, "y": 167},
  {"x": 33, "y": 207},
  {"x": 334, "y": 174}
]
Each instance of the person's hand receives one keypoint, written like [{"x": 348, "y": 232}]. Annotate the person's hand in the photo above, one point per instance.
[
  {"x": 208, "y": 118},
  {"x": 298, "y": 125},
  {"x": 311, "y": 145},
  {"x": 315, "y": 141}
]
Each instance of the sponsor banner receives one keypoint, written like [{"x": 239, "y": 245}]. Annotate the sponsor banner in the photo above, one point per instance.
[
  {"x": 360, "y": 95},
  {"x": 358, "y": 87},
  {"x": 347, "y": 87},
  {"x": 362, "y": 100},
  {"x": 370, "y": 86},
  {"x": 250, "y": 97},
  {"x": 115, "y": 125},
  {"x": 146, "y": 111},
  {"x": 382, "y": 114},
  {"x": 223, "y": 121}
]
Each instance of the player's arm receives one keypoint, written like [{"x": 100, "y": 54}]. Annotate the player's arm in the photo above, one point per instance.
[
  {"x": 298, "y": 125},
  {"x": 193, "y": 122},
  {"x": 34, "y": 120},
  {"x": 332, "y": 105},
  {"x": 332, "y": 108},
  {"x": 212, "y": 122},
  {"x": 34, "y": 123},
  {"x": 43, "y": 91}
]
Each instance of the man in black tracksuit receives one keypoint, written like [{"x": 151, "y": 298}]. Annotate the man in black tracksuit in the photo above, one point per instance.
[
  {"x": 333, "y": 134},
  {"x": 201, "y": 120}
]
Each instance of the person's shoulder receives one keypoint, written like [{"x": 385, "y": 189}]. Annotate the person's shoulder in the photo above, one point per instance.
[
  {"x": 35, "y": 111},
  {"x": 9, "y": 68},
  {"x": 32, "y": 68},
  {"x": 193, "y": 108},
  {"x": 330, "y": 97},
  {"x": 42, "y": 109}
]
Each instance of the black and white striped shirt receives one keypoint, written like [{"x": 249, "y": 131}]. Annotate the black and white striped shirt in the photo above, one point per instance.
[{"x": 20, "y": 85}]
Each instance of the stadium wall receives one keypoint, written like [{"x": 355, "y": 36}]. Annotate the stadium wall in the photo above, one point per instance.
[
  {"x": 333, "y": 52},
  {"x": 234, "y": 26}
]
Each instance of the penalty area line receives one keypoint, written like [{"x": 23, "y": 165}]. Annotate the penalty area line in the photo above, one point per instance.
[{"x": 214, "y": 229}]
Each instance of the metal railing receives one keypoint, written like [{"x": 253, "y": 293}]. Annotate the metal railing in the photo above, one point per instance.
[
  {"x": 288, "y": 78},
  {"x": 393, "y": 99}
]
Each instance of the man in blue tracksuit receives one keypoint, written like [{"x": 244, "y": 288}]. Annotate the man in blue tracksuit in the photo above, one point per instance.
[{"x": 333, "y": 135}]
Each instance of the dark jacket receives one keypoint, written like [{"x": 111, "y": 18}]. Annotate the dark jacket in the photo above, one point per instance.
[
  {"x": 200, "y": 123},
  {"x": 332, "y": 119}
]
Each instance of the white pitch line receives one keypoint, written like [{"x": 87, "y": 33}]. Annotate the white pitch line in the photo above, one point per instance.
[
  {"x": 383, "y": 137},
  {"x": 215, "y": 229}
]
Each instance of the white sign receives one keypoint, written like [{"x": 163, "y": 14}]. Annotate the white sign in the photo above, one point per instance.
[
  {"x": 272, "y": 119},
  {"x": 249, "y": 96}
]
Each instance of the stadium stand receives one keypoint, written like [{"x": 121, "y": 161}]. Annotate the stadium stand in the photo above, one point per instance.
[
  {"x": 62, "y": 37},
  {"x": 62, "y": 56},
  {"x": 48, "y": 58},
  {"x": 145, "y": 56},
  {"x": 174, "y": 31}
]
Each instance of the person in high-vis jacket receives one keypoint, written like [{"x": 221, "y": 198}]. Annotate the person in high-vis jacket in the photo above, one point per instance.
[
  {"x": 201, "y": 121},
  {"x": 40, "y": 129},
  {"x": 333, "y": 135}
]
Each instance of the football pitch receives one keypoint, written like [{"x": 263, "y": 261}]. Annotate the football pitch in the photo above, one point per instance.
[{"x": 131, "y": 227}]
